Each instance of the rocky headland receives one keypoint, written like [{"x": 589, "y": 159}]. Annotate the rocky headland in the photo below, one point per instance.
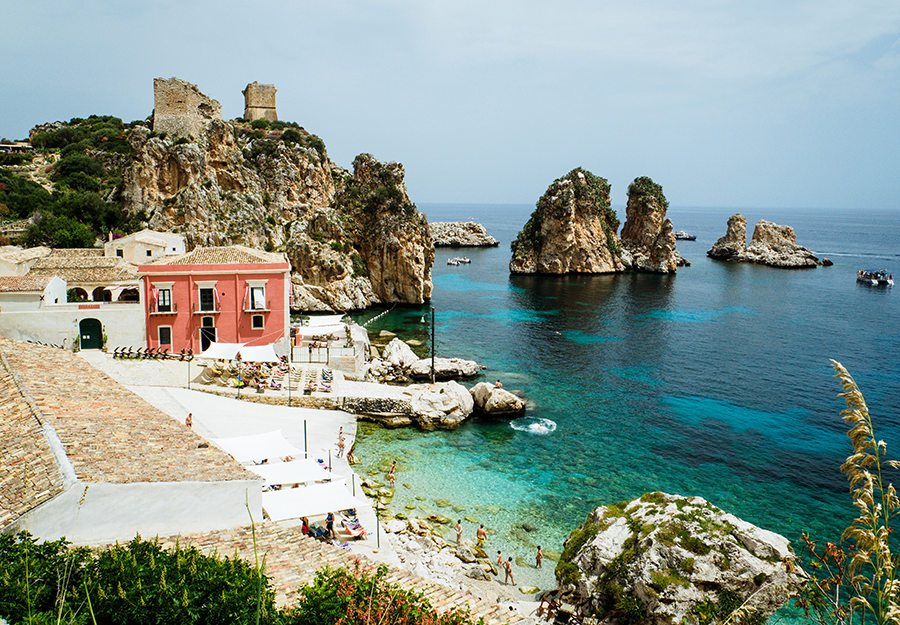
[
  {"x": 354, "y": 239},
  {"x": 574, "y": 230},
  {"x": 461, "y": 234},
  {"x": 665, "y": 559},
  {"x": 772, "y": 245}
]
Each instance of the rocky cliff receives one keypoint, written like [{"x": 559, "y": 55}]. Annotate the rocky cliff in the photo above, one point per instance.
[
  {"x": 771, "y": 245},
  {"x": 648, "y": 238},
  {"x": 353, "y": 239},
  {"x": 572, "y": 230},
  {"x": 461, "y": 234},
  {"x": 665, "y": 559}
]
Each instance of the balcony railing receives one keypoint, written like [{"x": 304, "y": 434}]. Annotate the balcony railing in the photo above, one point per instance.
[
  {"x": 162, "y": 309},
  {"x": 249, "y": 309},
  {"x": 199, "y": 310}
]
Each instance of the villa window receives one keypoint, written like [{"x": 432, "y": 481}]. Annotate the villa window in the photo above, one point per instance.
[
  {"x": 120, "y": 253},
  {"x": 258, "y": 297},
  {"x": 164, "y": 302},
  {"x": 165, "y": 335},
  {"x": 149, "y": 252},
  {"x": 258, "y": 322},
  {"x": 207, "y": 299}
]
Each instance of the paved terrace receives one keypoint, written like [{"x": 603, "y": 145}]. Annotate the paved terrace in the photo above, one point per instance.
[
  {"x": 292, "y": 560},
  {"x": 110, "y": 434},
  {"x": 29, "y": 475}
]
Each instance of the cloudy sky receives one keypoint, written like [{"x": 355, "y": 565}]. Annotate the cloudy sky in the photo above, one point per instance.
[{"x": 770, "y": 103}]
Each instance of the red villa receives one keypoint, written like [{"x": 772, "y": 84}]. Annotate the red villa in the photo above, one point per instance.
[{"x": 227, "y": 294}]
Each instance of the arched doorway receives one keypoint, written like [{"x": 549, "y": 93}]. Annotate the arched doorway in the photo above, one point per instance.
[
  {"x": 129, "y": 295},
  {"x": 91, "y": 332},
  {"x": 207, "y": 333},
  {"x": 102, "y": 295}
]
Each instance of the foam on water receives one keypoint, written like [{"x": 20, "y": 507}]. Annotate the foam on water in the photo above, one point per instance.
[{"x": 533, "y": 425}]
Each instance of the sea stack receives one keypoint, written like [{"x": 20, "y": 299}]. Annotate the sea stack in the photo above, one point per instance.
[
  {"x": 572, "y": 230},
  {"x": 648, "y": 238},
  {"x": 772, "y": 245}
]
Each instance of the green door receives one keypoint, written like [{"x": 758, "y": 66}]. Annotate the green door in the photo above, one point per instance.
[{"x": 91, "y": 332}]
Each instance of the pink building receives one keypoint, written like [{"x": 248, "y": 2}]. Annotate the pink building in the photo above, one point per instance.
[{"x": 226, "y": 294}]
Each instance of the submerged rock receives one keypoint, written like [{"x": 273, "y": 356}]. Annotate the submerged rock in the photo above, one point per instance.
[
  {"x": 772, "y": 245},
  {"x": 661, "y": 558}
]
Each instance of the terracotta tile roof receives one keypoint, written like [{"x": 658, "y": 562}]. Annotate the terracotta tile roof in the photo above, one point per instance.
[
  {"x": 110, "y": 434},
  {"x": 91, "y": 269},
  {"x": 29, "y": 475},
  {"x": 231, "y": 255},
  {"x": 24, "y": 283},
  {"x": 68, "y": 252},
  {"x": 15, "y": 254}
]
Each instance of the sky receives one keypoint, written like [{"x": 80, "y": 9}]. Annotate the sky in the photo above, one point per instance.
[{"x": 768, "y": 103}]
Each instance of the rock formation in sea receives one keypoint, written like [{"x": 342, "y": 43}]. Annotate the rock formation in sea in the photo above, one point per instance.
[
  {"x": 353, "y": 239},
  {"x": 491, "y": 400},
  {"x": 771, "y": 244},
  {"x": 572, "y": 230},
  {"x": 399, "y": 363},
  {"x": 648, "y": 238},
  {"x": 461, "y": 234},
  {"x": 665, "y": 559}
]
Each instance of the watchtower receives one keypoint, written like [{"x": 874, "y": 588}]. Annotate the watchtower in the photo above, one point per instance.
[
  {"x": 180, "y": 109},
  {"x": 259, "y": 102}
]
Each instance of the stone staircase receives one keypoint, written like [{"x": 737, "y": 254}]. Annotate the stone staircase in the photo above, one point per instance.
[{"x": 292, "y": 559}]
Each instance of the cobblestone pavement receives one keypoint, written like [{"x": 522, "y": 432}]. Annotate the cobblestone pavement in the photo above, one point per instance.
[{"x": 292, "y": 560}]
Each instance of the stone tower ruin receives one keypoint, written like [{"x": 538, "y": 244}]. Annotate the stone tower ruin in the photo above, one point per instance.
[
  {"x": 179, "y": 109},
  {"x": 259, "y": 102}
]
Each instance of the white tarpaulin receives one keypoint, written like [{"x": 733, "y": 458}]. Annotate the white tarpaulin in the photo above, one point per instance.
[
  {"x": 221, "y": 351},
  {"x": 312, "y": 500},
  {"x": 319, "y": 330},
  {"x": 293, "y": 472},
  {"x": 271, "y": 446},
  {"x": 259, "y": 353},
  {"x": 325, "y": 320}
]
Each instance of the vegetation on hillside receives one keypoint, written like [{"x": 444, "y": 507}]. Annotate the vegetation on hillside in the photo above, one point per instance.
[{"x": 140, "y": 582}]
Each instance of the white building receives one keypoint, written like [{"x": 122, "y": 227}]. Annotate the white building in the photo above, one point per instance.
[{"x": 145, "y": 246}]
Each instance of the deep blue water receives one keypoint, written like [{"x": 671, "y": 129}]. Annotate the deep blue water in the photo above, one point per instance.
[{"x": 713, "y": 382}]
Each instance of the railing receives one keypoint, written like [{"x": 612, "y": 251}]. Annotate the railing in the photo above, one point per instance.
[
  {"x": 156, "y": 309},
  {"x": 204, "y": 311},
  {"x": 268, "y": 308}
]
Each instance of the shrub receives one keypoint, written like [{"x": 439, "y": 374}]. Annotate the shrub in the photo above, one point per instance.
[
  {"x": 14, "y": 159},
  {"x": 260, "y": 124},
  {"x": 21, "y": 196},
  {"x": 292, "y": 136}
]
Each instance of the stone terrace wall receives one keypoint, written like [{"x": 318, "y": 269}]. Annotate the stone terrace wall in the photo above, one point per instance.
[
  {"x": 180, "y": 109},
  {"x": 30, "y": 474}
]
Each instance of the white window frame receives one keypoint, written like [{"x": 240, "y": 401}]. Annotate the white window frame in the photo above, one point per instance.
[
  {"x": 257, "y": 303},
  {"x": 262, "y": 322},
  {"x": 159, "y": 335}
]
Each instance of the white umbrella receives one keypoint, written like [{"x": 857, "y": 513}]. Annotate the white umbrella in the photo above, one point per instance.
[
  {"x": 221, "y": 351},
  {"x": 259, "y": 353}
]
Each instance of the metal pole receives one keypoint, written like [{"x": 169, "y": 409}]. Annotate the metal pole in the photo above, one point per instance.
[
  {"x": 189, "y": 375},
  {"x": 432, "y": 344},
  {"x": 377, "y": 525},
  {"x": 305, "y": 455},
  {"x": 353, "y": 482},
  {"x": 329, "y": 461},
  {"x": 289, "y": 381}
]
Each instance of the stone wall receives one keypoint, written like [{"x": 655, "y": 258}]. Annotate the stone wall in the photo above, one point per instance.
[
  {"x": 259, "y": 102},
  {"x": 180, "y": 109}
]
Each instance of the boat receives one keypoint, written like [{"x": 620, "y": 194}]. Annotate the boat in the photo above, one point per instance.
[
  {"x": 681, "y": 235},
  {"x": 452, "y": 261},
  {"x": 875, "y": 278},
  {"x": 459, "y": 260}
]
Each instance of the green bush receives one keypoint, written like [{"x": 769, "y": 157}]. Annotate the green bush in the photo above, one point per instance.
[
  {"x": 59, "y": 231},
  {"x": 21, "y": 196},
  {"x": 292, "y": 136},
  {"x": 260, "y": 124},
  {"x": 13, "y": 159}
]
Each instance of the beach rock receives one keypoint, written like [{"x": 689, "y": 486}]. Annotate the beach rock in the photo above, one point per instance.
[
  {"x": 476, "y": 572},
  {"x": 395, "y": 526},
  {"x": 826, "y": 262},
  {"x": 445, "y": 369},
  {"x": 572, "y": 230},
  {"x": 734, "y": 243},
  {"x": 440, "y": 406},
  {"x": 399, "y": 354},
  {"x": 464, "y": 553},
  {"x": 688, "y": 553},
  {"x": 771, "y": 244},
  {"x": 529, "y": 590},
  {"x": 461, "y": 234},
  {"x": 648, "y": 238},
  {"x": 491, "y": 400}
]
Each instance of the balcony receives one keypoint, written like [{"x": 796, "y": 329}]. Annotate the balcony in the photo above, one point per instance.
[
  {"x": 157, "y": 309},
  {"x": 268, "y": 308},
  {"x": 201, "y": 310}
]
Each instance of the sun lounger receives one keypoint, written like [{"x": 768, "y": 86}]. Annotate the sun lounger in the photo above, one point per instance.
[{"x": 354, "y": 529}]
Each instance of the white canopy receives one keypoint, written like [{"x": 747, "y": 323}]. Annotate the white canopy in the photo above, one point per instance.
[
  {"x": 324, "y": 320},
  {"x": 317, "y": 330},
  {"x": 221, "y": 351},
  {"x": 259, "y": 353},
  {"x": 258, "y": 447},
  {"x": 293, "y": 472},
  {"x": 315, "y": 499}
]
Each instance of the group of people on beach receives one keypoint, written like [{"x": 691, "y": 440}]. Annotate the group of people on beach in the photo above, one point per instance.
[{"x": 506, "y": 565}]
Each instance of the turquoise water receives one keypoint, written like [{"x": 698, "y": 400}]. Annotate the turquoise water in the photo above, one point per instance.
[{"x": 713, "y": 382}]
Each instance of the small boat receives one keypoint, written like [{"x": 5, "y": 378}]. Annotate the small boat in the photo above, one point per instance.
[
  {"x": 875, "y": 278},
  {"x": 681, "y": 235},
  {"x": 452, "y": 261},
  {"x": 459, "y": 260}
]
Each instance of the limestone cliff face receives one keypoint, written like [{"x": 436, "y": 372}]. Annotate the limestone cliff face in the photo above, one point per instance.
[
  {"x": 772, "y": 245},
  {"x": 233, "y": 187},
  {"x": 648, "y": 238},
  {"x": 572, "y": 230}
]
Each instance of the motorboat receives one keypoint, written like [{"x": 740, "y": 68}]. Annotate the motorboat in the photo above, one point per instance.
[
  {"x": 459, "y": 260},
  {"x": 681, "y": 235},
  {"x": 875, "y": 278}
]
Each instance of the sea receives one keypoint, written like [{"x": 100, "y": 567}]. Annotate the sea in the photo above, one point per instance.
[{"x": 713, "y": 382}]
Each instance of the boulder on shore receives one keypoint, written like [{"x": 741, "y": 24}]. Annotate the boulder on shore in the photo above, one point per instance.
[
  {"x": 445, "y": 369},
  {"x": 772, "y": 245},
  {"x": 492, "y": 400},
  {"x": 461, "y": 234},
  {"x": 399, "y": 363},
  {"x": 663, "y": 558}
]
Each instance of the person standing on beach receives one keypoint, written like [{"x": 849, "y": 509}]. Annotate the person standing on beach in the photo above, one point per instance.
[
  {"x": 329, "y": 525},
  {"x": 499, "y": 558},
  {"x": 508, "y": 568},
  {"x": 341, "y": 445},
  {"x": 458, "y": 531},
  {"x": 189, "y": 421},
  {"x": 539, "y": 558},
  {"x": 480, "y": 535}
]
